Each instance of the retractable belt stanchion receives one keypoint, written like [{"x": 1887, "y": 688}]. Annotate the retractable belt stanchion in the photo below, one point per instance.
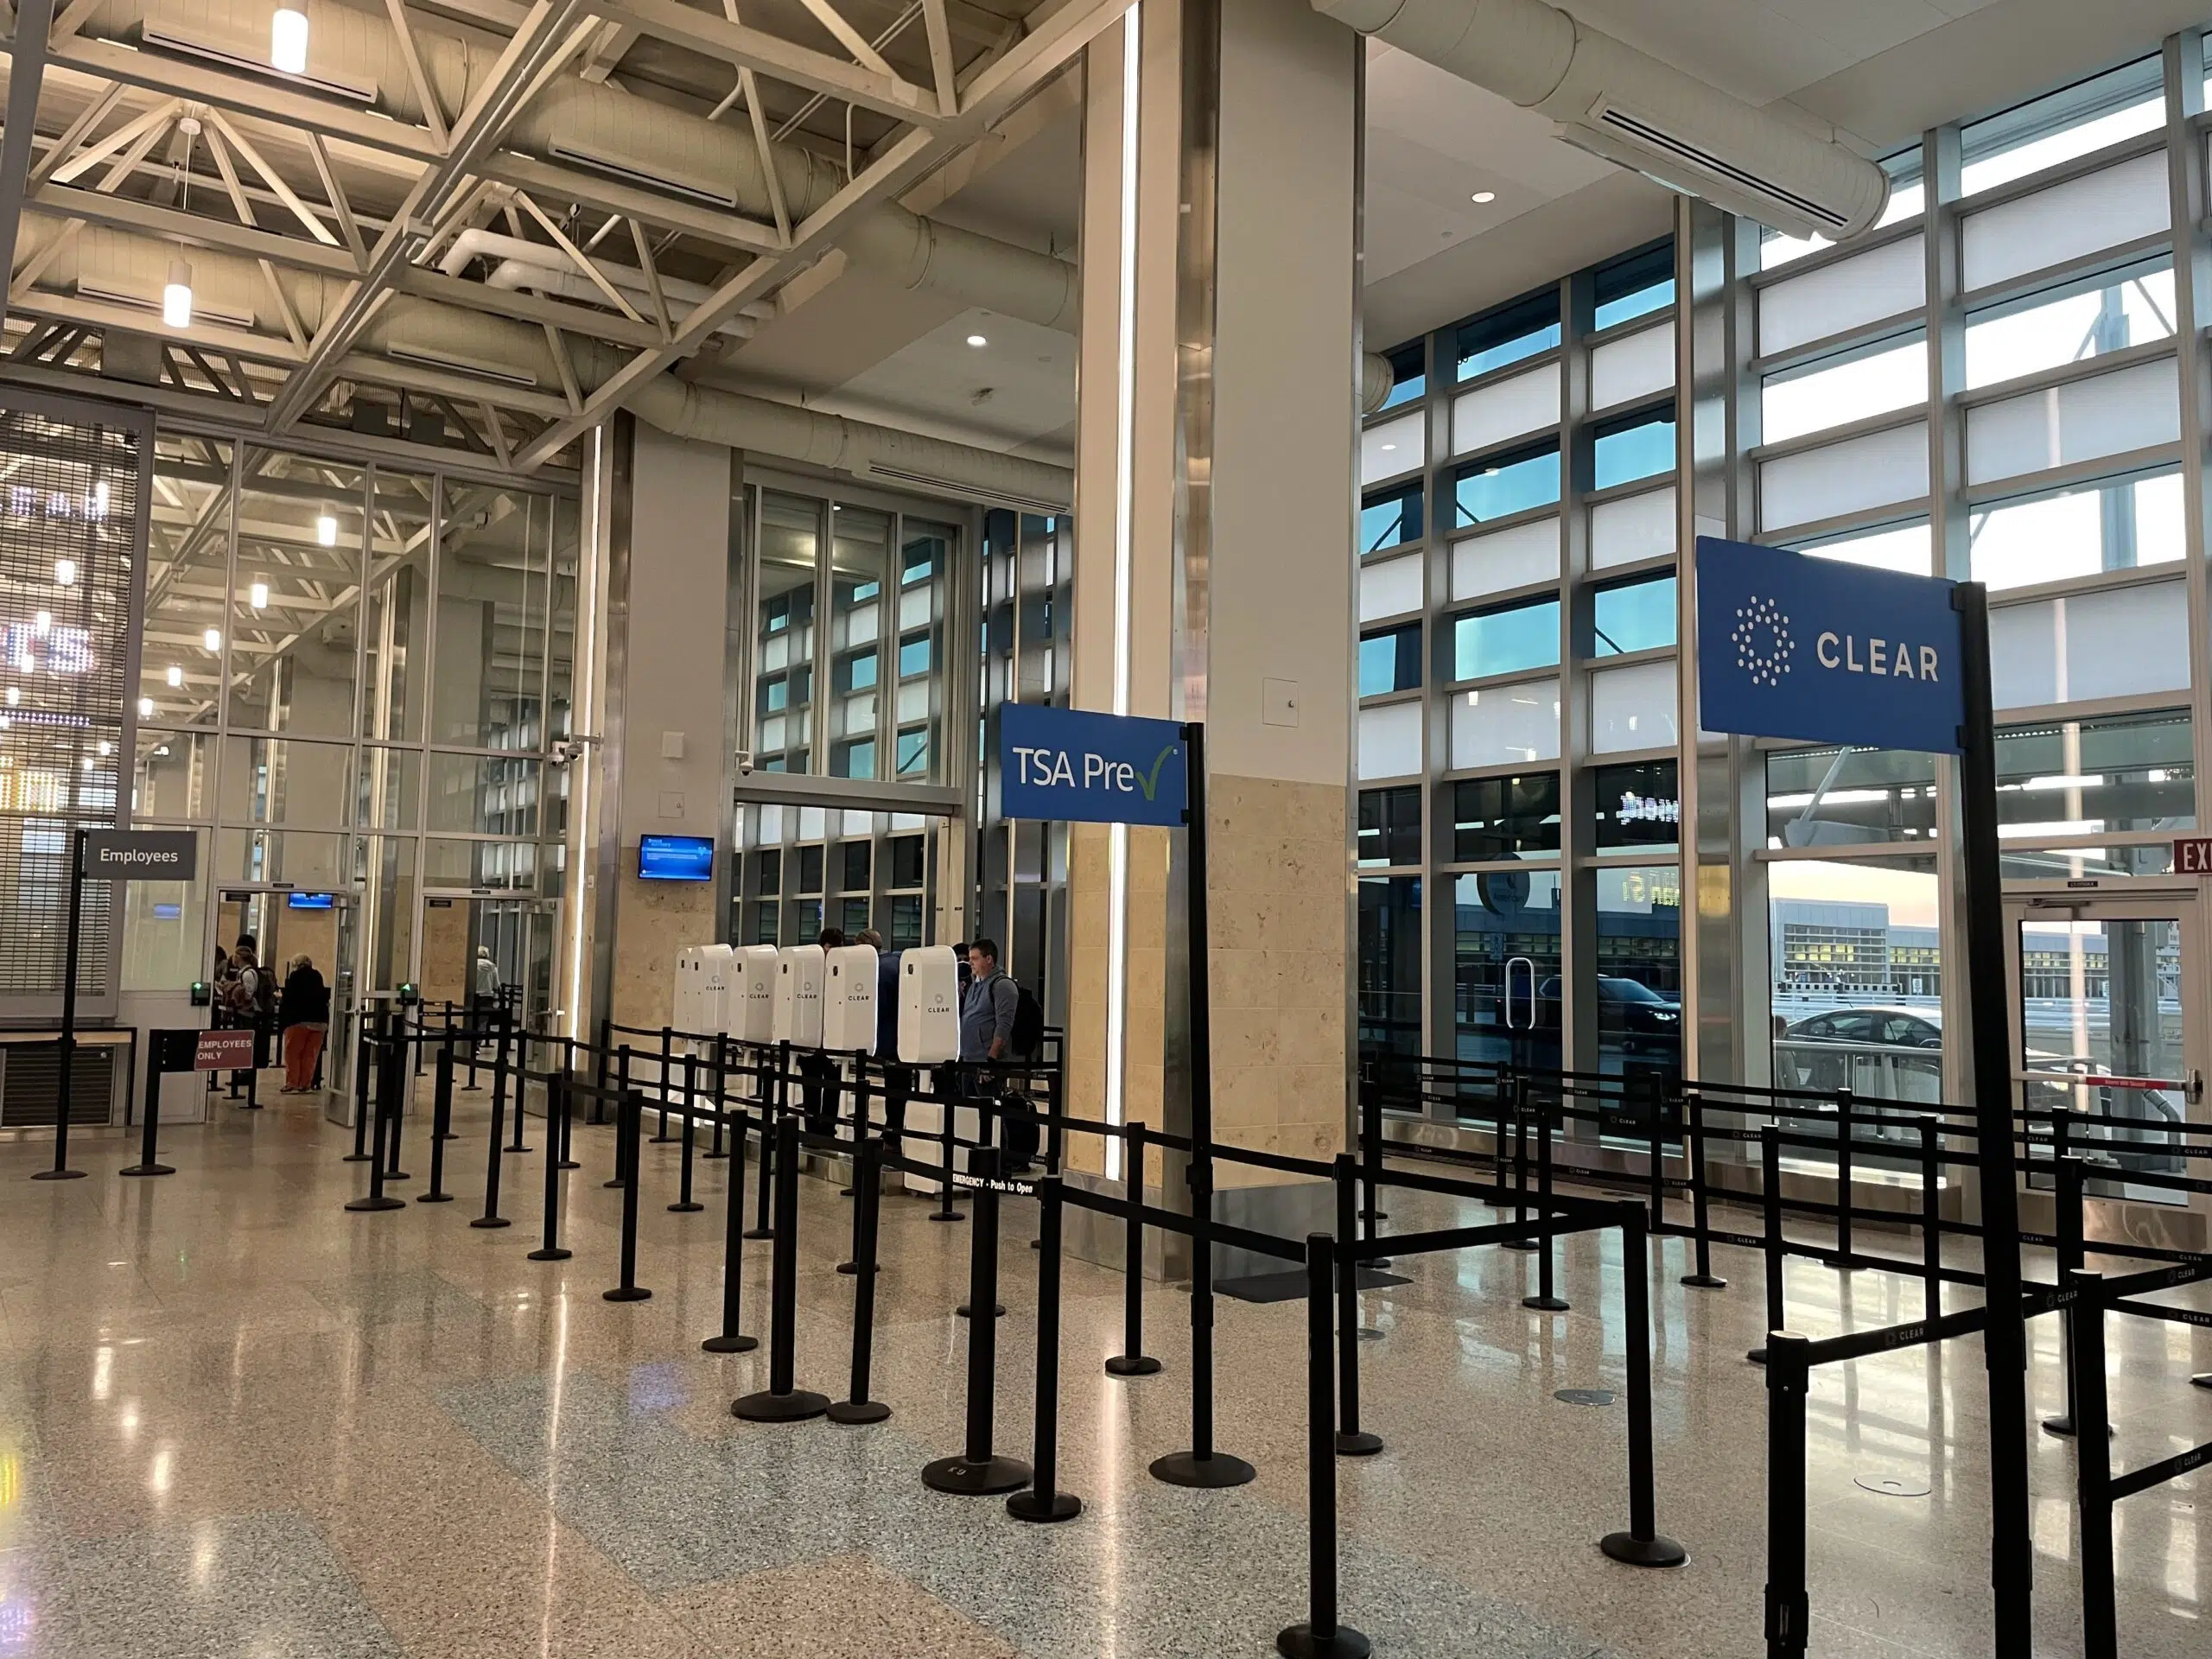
[
  {"x": 1654, "y": 1090},
  {"x": 780, "y": 1402},
  {"x": 151, "y": 1129},
  {"x": 1042, "y": 1501},
  {"x": 361, "y": 1061},
  {"x": 2072, "y": 1174},
  {"x": 493, "y": 1148},
  {"x": 660, "y": 1089},
  {"x": 949, "y": 1109},
  {"x": 1701, "y": 1197},
  {"x": 519, "y": 1071},
  {"x": 1519, "y": 1114},
  {"x": 621, "y": 1141},
  {"x": 685, "y": 1204},
  {"x": 1931, "y": 1221},
  {"x": 1771, "y": 1231},
  {"x": 402, "y": 1088},
  {"x": 1788, "y": 1605},
  {"x": 564, "y": 1154},
  {"x": 1351, "y": 1441},
  {"x": 390, "y": 1068},
  {"x": 1546, "y": 1299},
  {"x": 440, "y": 1125},
  {"x": 1320, "y": 1637},
  {"x": 475, "y": 1040},
  {"x": 601, "y": 1056},
  {"x": 976, "y": 1472},
  {"x": 2085, "y": 1335},
  {"x": 633, "y": 1113},
  {"x": 729, "y": 1339},
  {"x": 1370, "y": 1159},
  {"x": 721, "y": 1084},
  {"x": 556, "y": 1108},
  {"x": 1642, "y": 1544},
  {"x": 1843, "y": 1129},
  {"x": 1133, "y": 1360},
  {"x": 771, "y": 1092},
  {"x": 867, "y": 1202}
]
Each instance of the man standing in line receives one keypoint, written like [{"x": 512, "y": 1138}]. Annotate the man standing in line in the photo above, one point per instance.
[
  {"x": 987, "y": 1007},
  {"x": 484, "y": 993}
]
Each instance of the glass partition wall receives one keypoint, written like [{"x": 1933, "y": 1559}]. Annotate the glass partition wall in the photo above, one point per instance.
[{"x": 349, "y": 678}]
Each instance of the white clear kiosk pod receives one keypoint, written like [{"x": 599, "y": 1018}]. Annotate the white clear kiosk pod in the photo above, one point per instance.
[
  {"x": 716, "y": 962},
  {"x": 751, "y": 996},
  {"x": 928, "y": 1034},
  {"x": 798, "y": 1013},
  {"x": 849, "y": 1013}
]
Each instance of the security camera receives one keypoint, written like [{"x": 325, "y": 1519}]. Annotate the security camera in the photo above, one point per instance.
[
  {"x": 744, "y": 763},
  {"x": 563, "y": 750}
]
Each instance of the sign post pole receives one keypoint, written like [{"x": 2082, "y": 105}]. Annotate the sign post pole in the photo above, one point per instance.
[
  {"x": 67, "y": 1047},
  {"x": 2005, "y": 1340}
]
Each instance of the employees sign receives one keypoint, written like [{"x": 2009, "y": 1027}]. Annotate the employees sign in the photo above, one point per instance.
[
  {"x": 141, "y": 855},
  {"x": 1793, "y": 647},
  {"x": 1073, "y": 767}
]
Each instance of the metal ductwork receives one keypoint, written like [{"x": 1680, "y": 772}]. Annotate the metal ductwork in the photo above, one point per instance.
[
  {"x": 1632, "y": 108},
  {"x": 120, "y": 267},
  {"x": 1376, "y": 378},
  {"x": 595, "y": 126}
]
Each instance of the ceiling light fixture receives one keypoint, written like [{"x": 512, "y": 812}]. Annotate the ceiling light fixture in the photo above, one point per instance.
[
  {"x": 977, "y": 339},
  {"x": 212, "y": 639},
  {"x": 258, "y": 594},
  {"x": 145, "y": 708},
  {"x": 325, "y": 528},
  {"x": 176, "y": 675},
  {"x": 161, "y": 749},
  {"x": 106, "y": 747},
  {"x": 42, "y": 623},
  {"x": 64, "y": 572},
  {"x": 14, "y": 695},
  {"x": 176, "y": 296},
  {"x": 288, "y": 40},
  {"x": 1484, "y": 196}
]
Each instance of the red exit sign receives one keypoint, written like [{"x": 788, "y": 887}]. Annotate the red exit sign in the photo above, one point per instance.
[{"x": 2193, "y": 856}]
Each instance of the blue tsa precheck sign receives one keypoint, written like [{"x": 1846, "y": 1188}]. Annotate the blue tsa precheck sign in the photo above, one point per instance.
[
  {"x": 1794, "y": 646},
  {"x": 1075, "y": 767}
]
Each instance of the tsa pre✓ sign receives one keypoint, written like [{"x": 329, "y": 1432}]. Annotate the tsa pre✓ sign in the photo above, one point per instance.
[
  {"x": 1074, "y": 767},
  {"x": 1793, "y": 647}
]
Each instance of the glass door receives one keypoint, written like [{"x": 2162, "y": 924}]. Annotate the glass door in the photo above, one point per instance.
[{"x": 2110, "y": 1032}]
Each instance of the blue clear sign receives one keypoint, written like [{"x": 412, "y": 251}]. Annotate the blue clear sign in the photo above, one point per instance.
[
  {"x": 1073, "y": 767},
  {"x": 1793, "y": 647}
]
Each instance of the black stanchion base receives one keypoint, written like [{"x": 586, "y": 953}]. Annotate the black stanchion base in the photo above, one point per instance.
[
  {"x": 711, "y": 1156},
  {"x": 1133, "y": 1365},
  {"x": 856, "y": 1413},
  {"x": 616, "y": 1186},
  {"x": 1187, "y": 1469},
  {"x": 2204, "y": 1382},
  {"x": 1357, "y": 1443},
  {"x": 391, "y": 1175},
  {"x": 979, "y": 1479},
  {"x": 1546, "y": 1304},
  {"x": 1657, "y": 1550},
  {"x": 58, "y": 1175},
  {"x": 750, "y": 1232},
  {"x": 377, "y": 1204},
  {"x": 796, "y": 1407},
  {"x": 448, "y": 1135},
  {"x": 490, "y": 1221},
  {"x": 2061, "y": 1427},
  {"x": 849, "y": 1268},
  {"x": 1704, "y": 1281},
  {"x": 1044, "y": 1507},
  {"x": 433, "y": 1198},
  {"x": 1757, "y": 1356},
  {"x": 626, "y": 1293},
  {"x": 998, "y": 1310},
  {"x": 1518, "y": 1244},
  {"x": 146, "y": 1169},
  {"x": 684, "y": 1209},
  {"x": 1299, "y": 1641},
  {"x": 355, "y": 1158},
  {"x": 737, "y": 1344},
  {"x": 946, "y": 1214},
  {"x": 568, "y": 1163},
  {"x": 555, "y": 1254}
]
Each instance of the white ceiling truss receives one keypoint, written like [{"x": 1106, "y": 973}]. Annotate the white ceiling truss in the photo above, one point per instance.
[{"x": 307, "y": 204}]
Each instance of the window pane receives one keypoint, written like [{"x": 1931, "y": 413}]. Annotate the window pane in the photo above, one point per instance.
[
  {"x": 1881, "y": 282},
  {"x": 2072, "y": 122},
  {"x": 860, "y": 555},
  {"x": 2079, "y": 532},
  {"x": 1809, "y": 401},
  {"x": 1507, "y": 335},
  {"x": 1638, "y": 805},
  {"x": 1908, "y": 199},
  {"x": 1836, "y": 797},
  {"x": 1505, "y": 558},
  {"x": 783, "y": 642},
  {"x": 1391, "y": 519},
  {"x": 1505, "y": 725},
  {"x": 1390, "y": 661},
  {"x": 1632, "y": 708},
  {"x": 1505, "y": 641},
  {"x": 1505, "y": 817},
  {"x": 1636, "y": 616},
  {"x": 1389, "y": 587},
  {"x": 1634, "y": 287},
  {"x": 488, "y": 687},
  {"x": 1635, "y": 367},
  {"x": 396, "y": 631},
  {"x": 1408, "y": 378},
  {"x": 1872, "y": 471},
  {"x": 2062, "y": 779},
  {"x": 1506, "y": 487},
  {"x": 1389, "y": 827},
  {"x": 1906, "y": 548},
  {"x": 1505, "y": 409},
  {"x": 1389, "y": 740},
  {"x": 1639, "y": 984},
  {"x": 1633, "y": 528},
  {"x": 1389, "y": 963},
  {"x": 294, "y": 597},
  {"x": 2126, "y": 311},
  {"x": 1505, "y": 1002},
  {"x": 1858, "y": 979},
  {"x": 1641, "y": 451},
  {"x": 2082, "y": 216},
  {"x": 2136, "y": 408},
  {"x": 1396, "y": 446}
]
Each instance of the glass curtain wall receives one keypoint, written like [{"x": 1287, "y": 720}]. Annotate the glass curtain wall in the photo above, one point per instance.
[{"x": 349, "y": 678}]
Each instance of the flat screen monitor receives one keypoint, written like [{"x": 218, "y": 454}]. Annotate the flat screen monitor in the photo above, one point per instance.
[
  {"x": 168, "y": 912},
  {"x": 676, "y": 858},
  {"x": 309, "y": 901}
]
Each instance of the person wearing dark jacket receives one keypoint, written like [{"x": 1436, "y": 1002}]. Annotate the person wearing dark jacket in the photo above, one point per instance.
[{"x": 304, "y": 1014}]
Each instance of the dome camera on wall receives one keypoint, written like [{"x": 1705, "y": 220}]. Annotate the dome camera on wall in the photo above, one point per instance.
[{"x": 745, "y": 763}]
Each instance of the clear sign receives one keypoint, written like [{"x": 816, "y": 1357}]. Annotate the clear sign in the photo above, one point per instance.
[
  {"x": 141, "y": 855},
  {"x": 1070, "y": 766},
  {"x": 1794, "y": 646}
]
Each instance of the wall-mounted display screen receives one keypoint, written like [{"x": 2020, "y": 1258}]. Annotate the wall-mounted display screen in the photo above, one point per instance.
[
  {"x": 309, "y": 901},
  {"x": 676, "y": 858}
]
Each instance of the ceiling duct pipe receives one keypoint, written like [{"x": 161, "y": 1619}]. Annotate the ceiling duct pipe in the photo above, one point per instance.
[
  {"x": 1627, "y": 106},
  {"x": 1377, "y": 379}
]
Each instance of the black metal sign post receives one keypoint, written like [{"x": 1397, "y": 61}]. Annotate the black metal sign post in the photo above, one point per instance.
[
  {"x": 2005, "y": 1340},
  {"x": 67, "y": 1055}
]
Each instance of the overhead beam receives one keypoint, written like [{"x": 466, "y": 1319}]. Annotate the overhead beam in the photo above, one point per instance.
[
  {"x": 607, "y": 195},
  {"x": 196, "y": 230},
  {"x": 26, "y": 69},
  {"x": 772, "y": 55}
]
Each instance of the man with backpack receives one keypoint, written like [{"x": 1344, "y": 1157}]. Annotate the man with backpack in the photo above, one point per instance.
[
  {"x": 1001, "y": 1023},
  {"x": 250, "y": 995}
]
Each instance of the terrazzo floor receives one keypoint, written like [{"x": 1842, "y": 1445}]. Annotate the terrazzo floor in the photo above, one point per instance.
[{"x": 236, "y": 1419}]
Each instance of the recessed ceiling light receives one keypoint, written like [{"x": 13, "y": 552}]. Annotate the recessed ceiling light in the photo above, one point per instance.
[
  {"x": 1484, "y": 195},
  {"x": 977, "y": 339}
]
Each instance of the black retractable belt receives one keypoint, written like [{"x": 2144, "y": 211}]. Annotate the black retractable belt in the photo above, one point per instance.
[
  {"x": 1351, "y": 1441},
  {"x": 978, "y": 1472},
  {"x": 441, "y": 1127},
  {"x": 1320, "y": 1637},
  {"x": 1042, "y": 1501},
  {"x": 729, "y": 1339},
  {"x": 556, "y": 1108},
  {"x": 781, "y": 1402},
  {"x": 867, "y": 1202},
  {"x": 1133, "y": 1360},
  {"x": 633, "y": 1113}
]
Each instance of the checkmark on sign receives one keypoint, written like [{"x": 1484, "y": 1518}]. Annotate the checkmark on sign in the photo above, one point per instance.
[{"x": 1150, "y": 784}]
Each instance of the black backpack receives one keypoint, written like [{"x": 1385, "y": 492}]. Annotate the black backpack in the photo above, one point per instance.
[{"x": 1028, "y": 1025}]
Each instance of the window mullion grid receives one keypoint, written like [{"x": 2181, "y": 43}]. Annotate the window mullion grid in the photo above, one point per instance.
[
  {"x": 2186, "y": 192},
  {"x": 1578, "y": 932},
  {"x": 1440, "y": 916}
]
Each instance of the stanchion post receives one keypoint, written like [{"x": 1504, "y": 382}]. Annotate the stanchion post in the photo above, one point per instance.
[
  {"x": 621, "y": 1142},
  {"x": 1655, "y": 1089},
  {"x": 1770, "y": 1230},
  {"x": 1203, "y": 1465},
  {"x": 519, "y": 1072},
  {"x": 780, "y": 1402},
  {"x": 948, "y": 1111},
  {"x": 1931, "y": 1219},
  {"x": 660, "y": 1087},
  {"x": 1642, "y": 1544},
  {"x": 1788, "y": 1378},
  {"x": 1546, "y": 1299},
  {"x": 1518, "y": 1110},
  {"x": 771, "y": 1092},
  {"x": 729, "y": 1339},
  {"x": 1320, "y": 1637},
  {"x": 389, "y": 1062},
  {"x": 1843, "y": 1133},
  {"x": 1352, "y": 1440},
  {"x": 721, "y": 1084},
  {"x": 1370, "y": 1158},
  {"x": 361, "y": 1060},
  {"x": 2093, "y": 1469},
  {"x": 150, "y": 1128},
  {"x": 556, "y": 1108},
  {"x": 633, "y": 1113},
  {"x": 403, "y": 1089},
  {"x": 564, "y": 1154},
  {"x": 1044, "y": 1501},
  {"x": 495, "y": 1148},
  {"x": 1701, "y": 1197},
  {"x": 685, "y": 1204},
  {"x": 603, "y": 1057},
  {"x": 978, "y": 1472},
  {"x": 2071, "y": 1177},
  {"x": 1133, "y": 1360},
  {"x": 856, "y": 1407},
  {"x": 441, "y": 1123}
]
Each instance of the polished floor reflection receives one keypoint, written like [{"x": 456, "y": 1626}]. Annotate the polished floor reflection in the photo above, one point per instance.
[{"x": 237, "y": 1420}]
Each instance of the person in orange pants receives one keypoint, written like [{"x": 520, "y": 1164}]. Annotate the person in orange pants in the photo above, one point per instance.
[{"x": 305, "y": 1013}]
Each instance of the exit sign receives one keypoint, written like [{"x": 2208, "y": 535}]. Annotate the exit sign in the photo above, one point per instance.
[{"x": 2193, "y": 856}]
